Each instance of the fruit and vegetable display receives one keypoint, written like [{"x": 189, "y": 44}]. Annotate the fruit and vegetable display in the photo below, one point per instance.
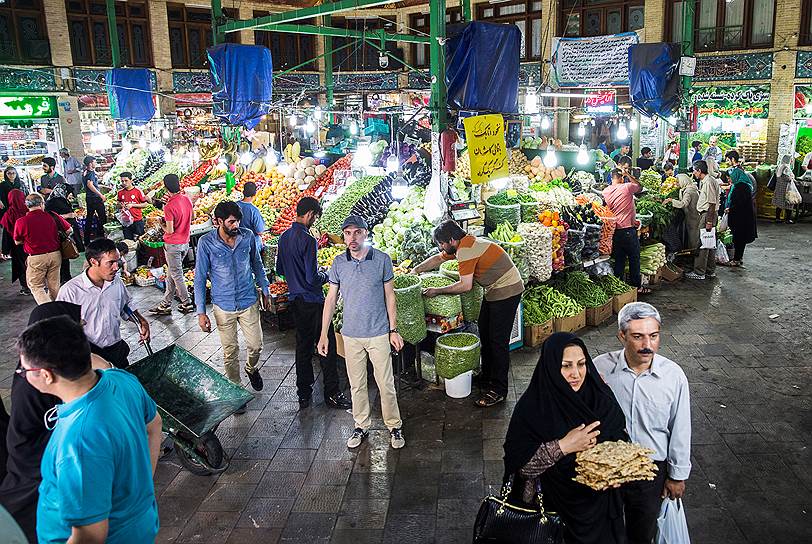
[
  {"x": 463, "y": 166},
  {"x": 338, "y": 316},
  {"x": 529, "y": 207},
  {"x": 456, "y": 353},
  {"x": 579, "y": 215},
  {"x": 327, "y": 255},
  {"x": 537, "y": 172},
  {"x": 471, "y": 300},
  {"x": 539, "y": 245},
  {"x": 586, "y": 180},
  {"x": 545, "y": 302},
  {"x": 151, "y": 164},
  {"x": 417, "y": 244},
  {"x": 670, "y": 185},
  {"x": 574, "y": 246},
  {"x": 278, "y": 288},
  {"x": 608, "y": 223},
  {"x": 552, "y": 196},
  {"x": 651, "y": 180},
  {"x": 389, "y": 235},
  {"x": 374, "y": 206},
  {"x": 196, "y": 176},
  {"x": 513, "y": 244},
  {"x": 441, "y": 305},
  {"x": 582, "y": 290},
  {"x": 661, "y": 215},
  {"x": 411, "y": 317},
  {"x": 338, "y": 210},
  {"x": 652, "y": 257},
  {"x": 517, "y": 162},
  {"x": 612, "y": 285}
]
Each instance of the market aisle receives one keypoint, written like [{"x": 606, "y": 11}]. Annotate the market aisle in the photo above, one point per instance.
[{"x": 293, "y": 480}]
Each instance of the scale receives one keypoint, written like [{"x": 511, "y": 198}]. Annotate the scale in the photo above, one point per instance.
[{"x": 464, "y": 211}]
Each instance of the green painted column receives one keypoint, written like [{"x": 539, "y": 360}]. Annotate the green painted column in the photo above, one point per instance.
[
  {"x": 687, "y": 51},
  {"x": 115, "y": 52},
  {"x": 466, "y": 11},
  {"x": 329, "y": 82},
  {"x": 437, "y": 64},
  {"x": 218, "y": 36}
]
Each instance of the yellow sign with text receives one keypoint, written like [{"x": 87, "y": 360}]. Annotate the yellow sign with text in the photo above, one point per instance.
[{"x": 485, "y": 135}]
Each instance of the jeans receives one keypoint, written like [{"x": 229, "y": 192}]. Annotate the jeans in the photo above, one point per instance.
[
  {"x": 641, "y": 506},
  {"x": 115, "y": 354},
  {"x": 174, "y": 276},
  {"x": 307, "y": 316},
  {"x": 378, "y": 350},
  {"x": 227, "y": 322},
  {"x": 705, "y": 261},
  {"x": 626, "y": 244},
  {"x": 495, "y": 325},
  {"x": 95, "y": 207},
  {"x": 43, "y": 271},
  {"x": 133, "y": 231}
]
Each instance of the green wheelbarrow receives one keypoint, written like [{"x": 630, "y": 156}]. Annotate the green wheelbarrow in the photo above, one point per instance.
[{"x": 193, "y": 399}]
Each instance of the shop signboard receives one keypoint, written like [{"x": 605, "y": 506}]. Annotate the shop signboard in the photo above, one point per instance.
[
  {"x": 28, "y": 107},
  {"x": 732, "y": 101},
  {"x": 599, "y": 101},
  {"x": 593, "y": 61},
  {"x": 803, "y": 102},
  {"x": 485, "y": 135}
]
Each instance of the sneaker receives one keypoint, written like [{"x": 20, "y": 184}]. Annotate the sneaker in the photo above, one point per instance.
[
  {"x": 338, "y": 401},
  {"x": 710, "y": 275},
  {"x": 695, "y": 276},
  {"x": 358, "y": 436},
  {"x": 186, "y": 308},
  {"x": 397, "y": 440},
  {"x": 161, "y": 309},
  {"x": 256, "y": 380},
  {"x": 304, "y": 402},
  {"x": 25, "y": 292}
]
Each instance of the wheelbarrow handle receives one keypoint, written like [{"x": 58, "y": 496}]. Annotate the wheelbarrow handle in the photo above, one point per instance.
[{"x": 131, "y": 317}]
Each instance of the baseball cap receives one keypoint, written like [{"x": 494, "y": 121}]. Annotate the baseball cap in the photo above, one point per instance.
[{"x": 354, "y": 221}]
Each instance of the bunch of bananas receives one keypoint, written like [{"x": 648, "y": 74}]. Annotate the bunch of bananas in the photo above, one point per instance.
[
  {"x": 291, "y": 153},
  {"x": 209, "y": 150}
]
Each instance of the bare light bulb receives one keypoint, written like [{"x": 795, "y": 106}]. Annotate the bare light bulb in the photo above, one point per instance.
[
  {"x": 246, "y": 158},
  {"x": 550, "y": 158},
  {"x": 583, "y": 155},
  {"x": 622, "y": 133},
  {"x": 581, "y": 130},
  {"x": 353, "y": 128},
  {"x": 531, "y": 103},
  {"x": 363, "y": 155},
  {"x": 392, "y": 164},
  {"x": 292, "y": 121},
  {"x": 633, "y": 123},
  {"x": 545, "y": 123}
]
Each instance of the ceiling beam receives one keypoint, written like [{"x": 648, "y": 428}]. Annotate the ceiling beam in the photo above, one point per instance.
[
  {"x": 258, "y": 23},
  {"x": 346, "y": 33}
]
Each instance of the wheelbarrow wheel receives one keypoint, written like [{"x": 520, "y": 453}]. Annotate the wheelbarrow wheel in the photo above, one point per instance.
[{"x": 208, "y": 447}]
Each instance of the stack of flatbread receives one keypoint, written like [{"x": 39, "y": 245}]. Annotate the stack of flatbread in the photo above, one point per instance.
[{"x": 613, "y": 463}]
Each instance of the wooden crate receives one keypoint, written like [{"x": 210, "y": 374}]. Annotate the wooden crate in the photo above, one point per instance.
[
  {"x": 570, "y": 324},
  {"x": 596, "y": 316},
  {"x": 619, "y": 301},
  {"x": 670, "y": 273},
  {"x": 535, "y": 335}
]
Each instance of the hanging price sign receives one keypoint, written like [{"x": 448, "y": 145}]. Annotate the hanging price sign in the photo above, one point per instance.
[{"x": 485, "y": 135}]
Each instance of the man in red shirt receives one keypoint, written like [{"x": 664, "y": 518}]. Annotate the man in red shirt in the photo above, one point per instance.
[
  {"x": 38, "y": 233},
  {"x": 132, "y": 200},
  {"x": 619, "y": 198},
  {"x": 177, "y": 223}
]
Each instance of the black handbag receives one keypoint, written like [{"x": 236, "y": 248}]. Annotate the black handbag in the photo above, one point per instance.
[{"x": 499, "y": 522}]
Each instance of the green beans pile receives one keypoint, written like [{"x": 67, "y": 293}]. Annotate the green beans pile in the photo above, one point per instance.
[
  {"x": 441, "y": 305},
  {"x": 456, "y": 353},
  {"x": 612, "y": 285},
  {"x": 411, "y": 316},
  {"x": 542, "y": 302},
  {"x": 584, "y": 291}
]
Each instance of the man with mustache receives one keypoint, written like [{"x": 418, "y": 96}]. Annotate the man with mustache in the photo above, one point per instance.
[{"x": 653, "y": 393}]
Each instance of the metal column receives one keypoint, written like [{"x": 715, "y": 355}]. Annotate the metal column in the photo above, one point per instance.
[
  {"x": 687, "y": 51},
  {"x": 115, "y": 51},
  {"x": 466, "y": 11},
  {"x": 437, "y": 102},
  {"x": 216, "y": 16},
  {"x": 329, "y": 83}
]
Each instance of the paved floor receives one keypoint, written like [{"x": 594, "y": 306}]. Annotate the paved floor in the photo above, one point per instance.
[{"x": 743, "y": 340}]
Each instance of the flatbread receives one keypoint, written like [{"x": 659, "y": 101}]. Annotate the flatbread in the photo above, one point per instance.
[{"x": 614, "y": 463}]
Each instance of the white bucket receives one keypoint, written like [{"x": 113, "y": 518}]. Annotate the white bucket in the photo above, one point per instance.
[{"x": 459, "y": 387}]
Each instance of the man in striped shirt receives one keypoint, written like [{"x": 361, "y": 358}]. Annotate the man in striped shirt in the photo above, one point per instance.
[{"x": 490, "y": 266}]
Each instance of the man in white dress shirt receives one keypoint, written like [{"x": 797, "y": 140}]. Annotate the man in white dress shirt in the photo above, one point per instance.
[
  {"x": 104, "y": 300},
  {"x": 653, "y": 393}
]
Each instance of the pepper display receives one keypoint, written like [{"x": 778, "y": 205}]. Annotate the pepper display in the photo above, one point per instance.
[
  {"x": 548, "y": 302},
  {"x": 612, "y": 285}
]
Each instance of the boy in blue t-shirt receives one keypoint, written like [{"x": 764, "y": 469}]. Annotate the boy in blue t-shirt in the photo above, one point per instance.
[{"x": 97, "y": 468}]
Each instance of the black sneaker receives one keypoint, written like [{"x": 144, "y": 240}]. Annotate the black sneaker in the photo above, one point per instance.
[
  {"x": 304, "y": 402},
  {"x": 186, "y": 308},
  {"x": 256, "y": 380},
  {"x": 338, "y": 401},
  {"x": 161, "y": 309}
]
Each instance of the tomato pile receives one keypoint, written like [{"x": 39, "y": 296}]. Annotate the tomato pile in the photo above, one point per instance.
[{"x": 196, "y": 176}]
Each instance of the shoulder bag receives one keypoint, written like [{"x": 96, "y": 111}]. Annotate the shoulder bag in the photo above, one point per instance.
[
  {"x": 499, "y": 522},
  {"x": 66, "y": 244}
]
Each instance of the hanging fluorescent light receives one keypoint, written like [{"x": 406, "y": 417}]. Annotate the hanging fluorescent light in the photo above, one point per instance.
[
  {"x": 165, "y": 134},
  {"x": 545, "y": 123},
  {"x": 392, "y": 164},
  {"x": 531, "y": 103},
  {"x": 622, "y": 133},
  {"x": 399, "y": 188},
  {"x": 581, "y": 130},
  {"x": 292, "y": 121},
  {"x": 246, "y": 158},
  {"x": 363, "y": 155},
  {"x": 583, "y": 155},
  {"x": 550, "y": 158},
  {"x": 353, "y": 128},
  {"x": 633, "y": 123}
]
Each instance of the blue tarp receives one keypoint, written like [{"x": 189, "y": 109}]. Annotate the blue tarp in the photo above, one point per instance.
[
  {"x": 241, "y": 80},
  {"x": 129, "y": 91},
  {"x": 482, "y": 67},
  {"x": 654, "y": 78}
]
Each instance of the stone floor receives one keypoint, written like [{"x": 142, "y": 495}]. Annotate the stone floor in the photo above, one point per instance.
[{"x": 742, "y": 339}]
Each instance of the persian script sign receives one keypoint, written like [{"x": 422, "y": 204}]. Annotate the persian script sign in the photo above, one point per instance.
[
  {"x": 599, "y": 60},
  {"x": 485, "y": 135}
]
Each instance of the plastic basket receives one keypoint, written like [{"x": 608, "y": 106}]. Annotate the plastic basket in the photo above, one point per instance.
[
  {"x": 645, "y": 219},
  {"x": 496, "y": 214},
  {"x": 144, "y": 282},
  {"x": 452, "y": 361},
  {"x": 153, "y": 245}
]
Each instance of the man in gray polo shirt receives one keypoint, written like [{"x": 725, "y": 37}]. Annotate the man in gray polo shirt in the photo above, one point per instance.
[{"x": 364, "y": 277}]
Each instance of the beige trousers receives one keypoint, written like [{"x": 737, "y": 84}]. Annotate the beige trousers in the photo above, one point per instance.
[
  {"x": 248, "y": 320},
  {"x": 41, "y": 271},
  {"x": 377, "y": 349}
]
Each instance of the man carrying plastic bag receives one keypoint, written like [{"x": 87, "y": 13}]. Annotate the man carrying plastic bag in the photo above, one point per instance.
[{"x": 672, "y": 527}]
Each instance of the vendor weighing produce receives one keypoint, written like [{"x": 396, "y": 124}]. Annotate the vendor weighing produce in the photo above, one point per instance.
[{"x": 490, "y": 266}]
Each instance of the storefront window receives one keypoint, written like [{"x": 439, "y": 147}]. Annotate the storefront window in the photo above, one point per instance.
[
  {"x": 23, "y": 35},
  {"x": 288, "y": 50},
  {"x": 600, "y": 17},
  {"x": 190, "y": 34},
  {"x": 526, "y": 15},
  {"x": 90, "y": 39},
  {"x": 419, "y": 24},
  {"x": 806, "y": 24},
  {"x": 725, "y": 24}
]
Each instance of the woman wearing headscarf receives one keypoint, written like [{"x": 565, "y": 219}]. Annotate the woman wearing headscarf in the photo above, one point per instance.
[
  {"x": 741, "y": 214},
  {"x": 29, "y": 429},
  {"x": 687, "y": 201},
  {"x": 783, "y": 177},
  {"x": 16, "y": 210},
  {"x": 10, "y": 181},
  {"x": 567, "y": 408},
  {"x": 59, "y": 204}
]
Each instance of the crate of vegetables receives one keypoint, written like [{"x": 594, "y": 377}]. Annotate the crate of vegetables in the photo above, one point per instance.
[
  {"x": 621, "y": 292},
  {"x": 503, "y": 207},
  {"x": 599, "y": 314},
  {"x": 535, "y": 335}
]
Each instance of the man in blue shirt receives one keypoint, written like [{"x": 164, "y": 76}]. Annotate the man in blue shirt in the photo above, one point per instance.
[
  {"x": 296, "y": 261},
  {"x": 251, "y": 217},
  {"x": 97, "y": 468},
  {"x": 229, "y": 258}
]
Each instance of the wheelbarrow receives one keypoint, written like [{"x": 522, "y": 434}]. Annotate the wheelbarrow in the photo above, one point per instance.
[{"x": 193, "y": 399}]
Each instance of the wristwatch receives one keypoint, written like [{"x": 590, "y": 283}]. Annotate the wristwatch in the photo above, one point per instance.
[{"x": 392, "y": 331}]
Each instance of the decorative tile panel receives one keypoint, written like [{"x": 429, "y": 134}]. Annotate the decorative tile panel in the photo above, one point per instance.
[
  {"x": 292, "y": 83},
  {"x": 734, "y": 67},
  {"x": 27, "y": 79},
  {"x": 92, "y": 80},
  {"x": 191, "y": 82},
  {"x": 803, "y": 66},
  {"x": 373, "y": 81},
  {"x": 420, "y": 80},
  {"x": 530, "y": 74}
]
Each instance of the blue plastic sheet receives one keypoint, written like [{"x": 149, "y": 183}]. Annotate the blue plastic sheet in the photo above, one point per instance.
[
  {"x": 242, "y": 80},
  {"x": 482, "y": 67},
  {"x": 654, "y": 78},
  {"x": 129, "y": 91}
]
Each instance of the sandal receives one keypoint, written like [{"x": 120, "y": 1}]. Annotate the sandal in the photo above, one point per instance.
[
  {"x": 489, "y": 398},
  {"x": 643, "y": 291}
]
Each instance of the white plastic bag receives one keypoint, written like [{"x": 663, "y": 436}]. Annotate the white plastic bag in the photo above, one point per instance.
[
  {"x": 721, "y": 253},
  {"x": 793, "y": 195},
  {"x": 672, "y": 527},
  {"x": 708, "y": 238},
  {"x": 434, "y": 206},
  {"x": 124, "y": 217},
  {"x": 722, "y": 224}
]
